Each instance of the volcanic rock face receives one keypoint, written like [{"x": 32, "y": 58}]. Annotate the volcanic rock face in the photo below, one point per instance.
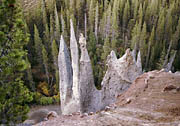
[
  {"x": 75, "y": 66},
  {"x": 119, "y": 76},
  {"x": 77, "y": 89},
  {"x": 65, "y": 73},
  {"x": 89, "y": 95}
]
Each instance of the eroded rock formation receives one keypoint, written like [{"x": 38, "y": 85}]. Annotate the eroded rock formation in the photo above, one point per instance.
[
  {"x": 77, "y": 89},
  {"x": 119, "y": 76},
  {"x": 89, "y": 95},
  {"x": 66, "y": 80},
  {"x": 75, "y": 65}
]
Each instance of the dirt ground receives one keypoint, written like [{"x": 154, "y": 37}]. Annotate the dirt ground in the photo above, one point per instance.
[{"x": 152, "y": 100}]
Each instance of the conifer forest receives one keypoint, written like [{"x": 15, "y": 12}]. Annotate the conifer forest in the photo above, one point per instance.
[{"x": 30, "y": 32}]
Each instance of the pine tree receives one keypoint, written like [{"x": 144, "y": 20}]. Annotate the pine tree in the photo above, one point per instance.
[
  {"x": 142, "y": 42},
  {"x": 136, "y": 33},
  {"x": 96, "y": 21},
  {"x": 30, "y": 82},
  {"x": 106, "y": 49},
  {"x": 55, "y": 59},
  {"x": 161, "y": 59},
  {"x": 168, "y": 26},
  {"x": 44, "y": 14},
  {"x": 45, "y": 62},
  {"x": 140, "y": 16},
  {"x": 51, "y": 28},
  {"x": 150, "y": 43},
  {"x": 38, "y": 45},
  {"x": 176, "y": 35},
  {"x": 57, "y": 25},
  {"x": 108, "y": 22},
  {"x": 91, "y": 15},
  {"x": 46, "y": 38},
  {"x": 14, "y": 95},
  {"x": 136, "y": 8},
  {"x": 160, "y": 26},
  {"x": 126, "y": 14},
  {"x": 115, "y": 25}
]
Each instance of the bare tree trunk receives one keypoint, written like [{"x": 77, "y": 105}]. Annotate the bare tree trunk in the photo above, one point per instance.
[
  {"x": 167, "y": 55},
  {"x": 85, "y": 25}
]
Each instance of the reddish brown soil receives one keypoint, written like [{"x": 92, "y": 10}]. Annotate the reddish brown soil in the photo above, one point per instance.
[
  {"x": 152, "y": 100},
  {"x": 154, "y": 91}
]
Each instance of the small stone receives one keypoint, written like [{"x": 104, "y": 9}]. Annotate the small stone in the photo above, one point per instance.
[
  {"x": 107, "y": 108},
  {"x": 128, "y": 100},
  {"x": 70, "y": 115},
  {"x": 83, "y": 115},
  {"x": 45, "y": 119},
  {"x": 169, "y": 88},
  {"x": 91, "y": 113}
]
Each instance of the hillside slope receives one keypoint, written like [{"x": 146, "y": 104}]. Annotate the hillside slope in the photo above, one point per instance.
[{"x": 153, "y": 100}]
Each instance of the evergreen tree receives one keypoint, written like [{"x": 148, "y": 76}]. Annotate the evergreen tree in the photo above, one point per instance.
[
  {"x": 115, "y": 25},
  {"x": 14, "y": 95},
  {"x": 106, "y": 49},
  {"x": 150, "y": 43},
  {"x": 45, "y": 62},
  {"x": 38, "y": 45},
  {"x": 57, "y": 25},
  {"x": 51, "y": 28},
  {"x": 46, "y": 38},
  {"x": 136, "y": 8},
  {"x": 176, "y": 36},
  {"x": 30, "y": 82},
  {"x": 91, "y": 15},
  {"x": 142, "y": 42},
  {"x": 96, "y": 21},
  {"x": 160, "y": 26},
  {"x": 44, "y": 14},
  {"x": 126, "y": 14},
  {"x": 140, "y": 16},
  {"x": 55, "y": 59},
  {"x": 136, "y": 33}
]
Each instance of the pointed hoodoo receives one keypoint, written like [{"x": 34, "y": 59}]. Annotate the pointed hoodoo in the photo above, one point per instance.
[
  {"x": 89, "y": 95},
  {"x": 138, "y": 62},
  {"x": 65, "y": 73},
  {"x": 77, "y": 89},
  {"x": 119, "y": 76},
  {"x": 134, "y": 52},
  {"x": 75, "y": 63}
]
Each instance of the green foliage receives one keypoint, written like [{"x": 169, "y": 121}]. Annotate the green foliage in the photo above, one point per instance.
[
  {"x": 43, "y": 88},
  {"x": 37, "y": 45},
  {"x": 14, "y": 95},
  {"x": 46, "y": 100}
]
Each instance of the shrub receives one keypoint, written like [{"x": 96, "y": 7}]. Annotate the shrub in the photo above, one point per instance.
[{"x": 46, "y": 100}]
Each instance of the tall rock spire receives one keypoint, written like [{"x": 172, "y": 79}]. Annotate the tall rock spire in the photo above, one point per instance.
[
  {"x": 75, "y": 63},
  {"x": 77, "y": 89},
  {"x": 88, "y": 93},
  {"x": 138, "y": 62},
  {"x": 65, "y": 73}
]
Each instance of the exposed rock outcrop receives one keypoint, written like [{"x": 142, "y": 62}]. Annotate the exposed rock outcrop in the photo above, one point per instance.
[
  {"x": 119, "y": 76},
  {"x": 77, "y": 89},
  {"x": 75, "y": 65},
  {"x": 66, "y": 77},
  {"x": 89, "y": 95}
]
